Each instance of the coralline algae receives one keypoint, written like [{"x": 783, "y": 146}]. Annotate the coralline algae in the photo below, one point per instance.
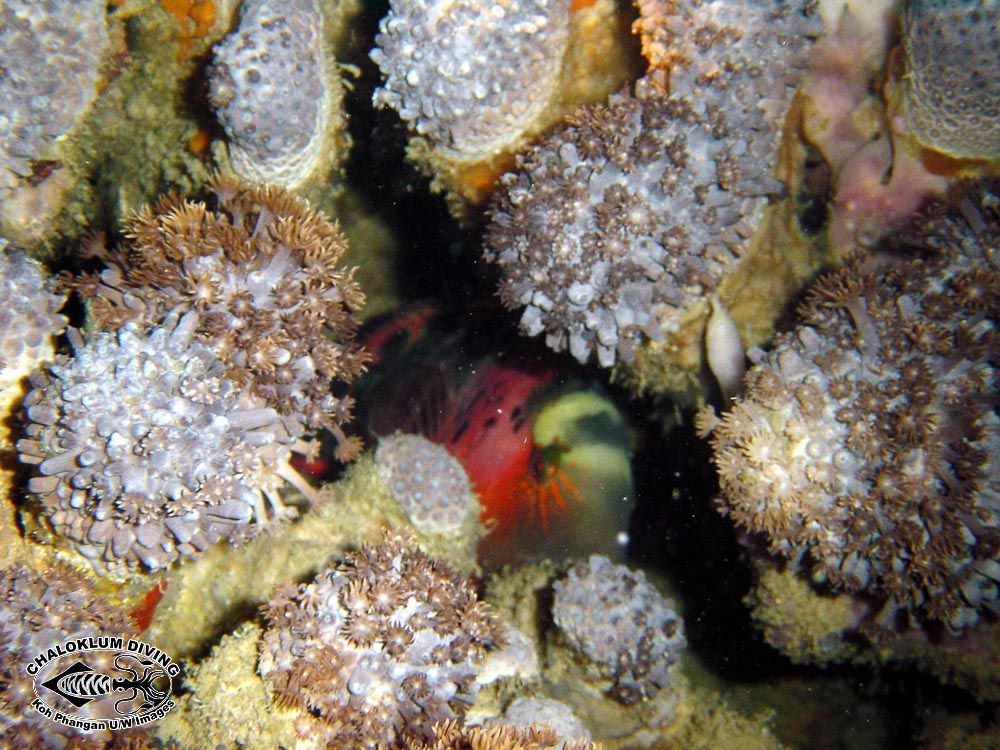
[
  {"x": 471, "y": 76},
  {"x": 272, "y": 89},
  {"x": 52, "y": 51}
]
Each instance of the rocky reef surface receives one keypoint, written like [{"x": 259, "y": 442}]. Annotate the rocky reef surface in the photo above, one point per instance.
[{"x": 744, "y": 254}]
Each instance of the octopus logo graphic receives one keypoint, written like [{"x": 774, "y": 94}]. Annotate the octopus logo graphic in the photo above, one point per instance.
[{"x": 103, "y": 683}]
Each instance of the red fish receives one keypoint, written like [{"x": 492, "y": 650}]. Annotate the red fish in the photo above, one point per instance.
[{"x": 546, "y": 452}]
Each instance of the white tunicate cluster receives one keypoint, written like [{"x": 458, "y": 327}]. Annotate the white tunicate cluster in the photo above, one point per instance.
[
  {"x": 617, "y": 223},
  {"x": 145, "y": 451},
  {"x": 621, "y": 624},
  {"x": 470, "y": 75},
  {"x": 29, "y": 318},
  {"x": 271, "y": 89},
  {"x": 50, "y": 57},
  {"x": 429, "y": 484}
]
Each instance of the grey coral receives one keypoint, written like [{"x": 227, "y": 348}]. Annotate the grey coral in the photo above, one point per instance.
[
  {"x": 621, "y": 624},
  {"x": 427, "y": 482},
  {"x": 472, "y": 76},
  {"x": 379, "y": 648},
  {"x": 272, "y": 89},
  {"x": 51, "y": 53},
  {"x": 617, "y": 222},
  {"x": 146, "y": 452},
  {"x": 29, "y": 317}
]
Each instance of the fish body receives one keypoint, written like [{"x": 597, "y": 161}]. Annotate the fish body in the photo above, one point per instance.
[{"x": 546, "y": 451}]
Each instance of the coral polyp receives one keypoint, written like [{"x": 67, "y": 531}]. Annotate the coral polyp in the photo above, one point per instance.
[
  {"x": 379, "y": 649},
  {"x": 40, "y": 611},
  {"x": 471, "y": 76},
  {"x": 865, "y": 449},
  {"x": 616, "y": 223},
  {"x": 276, "y": 94},
  {"x": 951, "y": 84},
  {"x": 261, "y": 271},
  {"x": 29, "y": 320},
  {"x": 621, "y": 624},
  {"x": 146, "y": 452}
]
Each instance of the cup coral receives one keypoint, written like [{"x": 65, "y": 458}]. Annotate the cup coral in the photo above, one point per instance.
[
  {"x": 429, "y": 483},
  {"x": 951, "y": 84},
  {"x": 146, "y": 452},
  {"x": 275, "y": 92},
  {"x": 37, "y": 612},
  {"x": 865, "y": 449},
  {"x": 471, "y": 76},
  {"x": 261, "y": 271},
  {"x": 621, "y": 624},
  {"x": 618, "y": 221},
  {"x": 379, "y": 649}
]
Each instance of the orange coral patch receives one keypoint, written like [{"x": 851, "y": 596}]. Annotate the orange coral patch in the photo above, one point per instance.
[
  {"x": 580, "y": 5},
  {"x": 195, "y": 16},
  {"x": 200, "y": 141}
]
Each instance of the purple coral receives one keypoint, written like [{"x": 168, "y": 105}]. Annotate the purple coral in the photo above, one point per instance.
[
  {"x": 429, "y": 484},
  {"x": 471, "y": 75},
  {"x": 621, "y": 624},
  {"x": 49, "y": 70},
  {"x": 146, "y": 452},
  {"x": 866, "y": 447},
  {"x": 272, "y": 89},
  {"x": 37, "y": 612},
  {"x": 380, "y": 648},
  {"x": 617, "y": 222}
]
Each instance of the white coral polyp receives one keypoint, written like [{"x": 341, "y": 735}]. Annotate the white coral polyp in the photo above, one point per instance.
[{"x": 146, "y": 452}]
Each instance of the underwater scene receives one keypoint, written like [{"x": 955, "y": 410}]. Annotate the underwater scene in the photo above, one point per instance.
[{"x": 499, "y": 374}]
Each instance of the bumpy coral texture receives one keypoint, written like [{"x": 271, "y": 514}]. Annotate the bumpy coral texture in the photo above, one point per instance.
[
  {"x": 617, "y": 222},
  {"x": 261, "y": 271},
  {"x": 429, "y": 484},
  {"x": 527, "y": 712},
  {"x": 379, "y": 648},
  {"x": 146, "y": 452},
  {"x": 271, "y": 91},
  {"x": 50, "y": 57},
  {"x": 951, "y": 85},
  {"x": 470, "y": 75},
  {"x": 621, "y": 624},
  {"x": 29, "y": 317},
  {"x": 866, "y": 447},
  {"x": 39, "y": 611}
]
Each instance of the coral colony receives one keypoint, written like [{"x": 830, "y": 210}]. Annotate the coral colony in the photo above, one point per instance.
[
  {"x": 777, "y": 221},
  {"x": 276, "y": 42}
]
